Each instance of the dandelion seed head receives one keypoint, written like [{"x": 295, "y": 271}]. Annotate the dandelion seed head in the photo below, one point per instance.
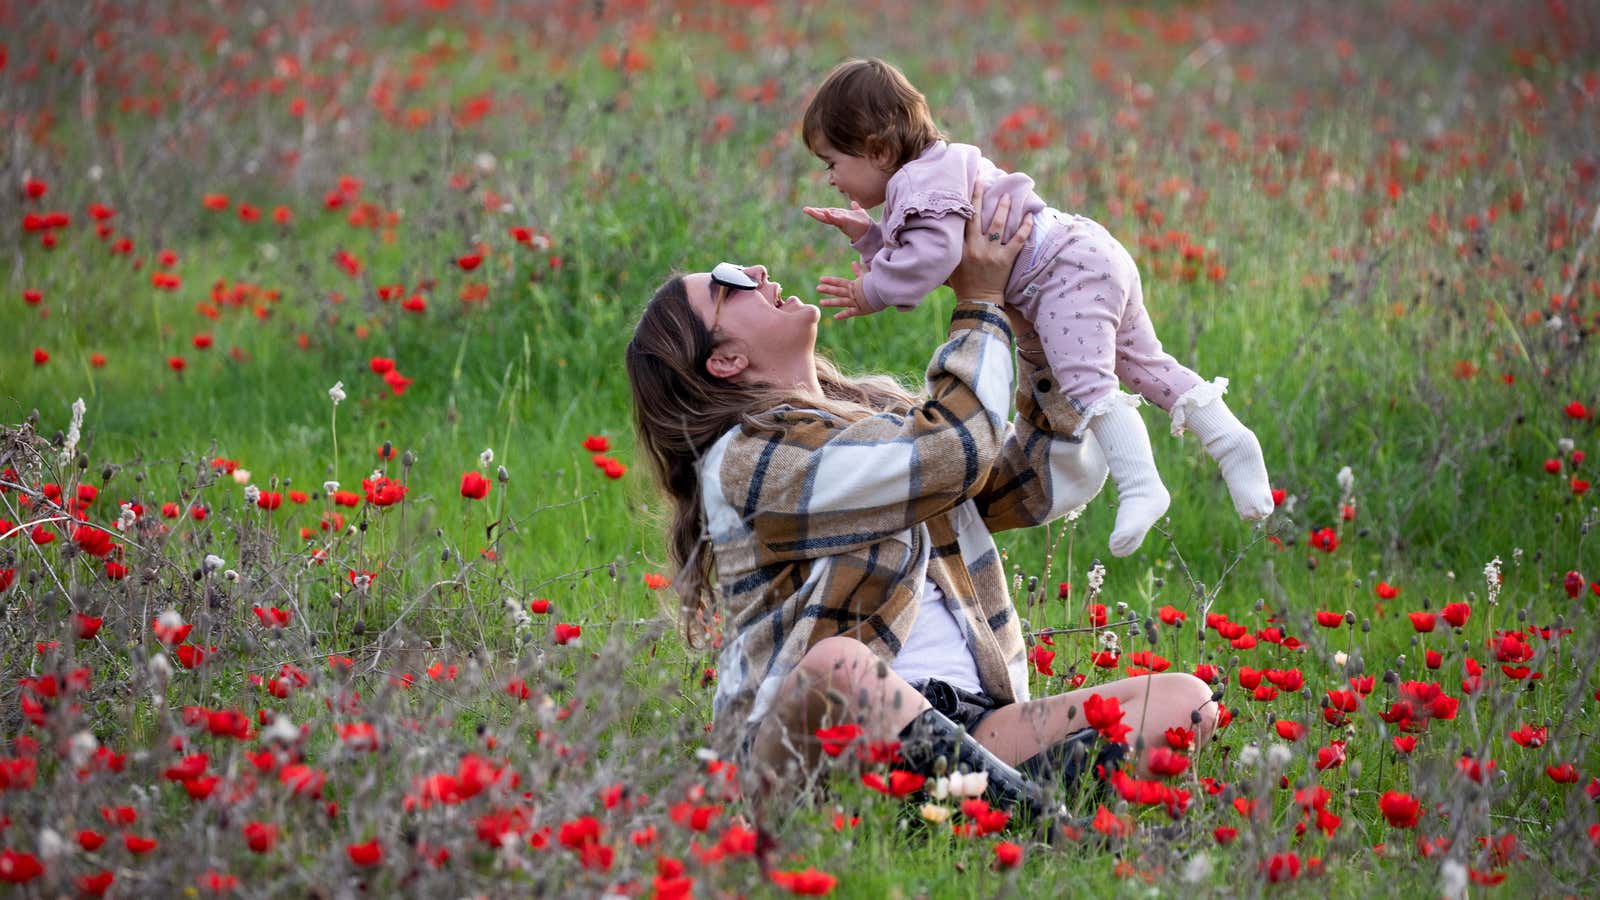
[
  {"x": 486, "y": 457},
  {"x": 1279, "y": 755},
  {"x": 212, "y": 563},
  {"x": 170, "y": 618}
]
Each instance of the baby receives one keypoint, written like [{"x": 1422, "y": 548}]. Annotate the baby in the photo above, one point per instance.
[{"x": 1073, "y": 281}]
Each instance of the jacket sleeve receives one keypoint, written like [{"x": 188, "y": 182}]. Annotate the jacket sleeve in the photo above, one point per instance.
[
  {"x": 1042, "y": 471},
  {"x": 929, "y": 250},
  {"x": 823, "y": 487},
  {"x": 869, "y": 244}
]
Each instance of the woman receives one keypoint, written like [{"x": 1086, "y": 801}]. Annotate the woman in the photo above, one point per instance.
[{"x": 846, "y": 529}]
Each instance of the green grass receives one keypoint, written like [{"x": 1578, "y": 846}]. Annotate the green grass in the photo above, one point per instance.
[{"x": 1341, "y": 339}]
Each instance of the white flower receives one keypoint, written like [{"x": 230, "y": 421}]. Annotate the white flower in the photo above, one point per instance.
[
  {"x": 934, "y": 813},
  {"x": 96, "y": 173},
  {"x": 1197, "y": 869},
  {"x": 241, "y": 476},
  {"x": 1453, "y": 879},
  {"x": 1279, "y": 755},
  {"x": 328, "y": 487},
  {"x": 81, "y": 748},
  {"x": 1554, "y": 323},
  {"x": 213, "y": 562},
  {"x": 281, "y": 730},
  {"x": 968, "y": 784},
  {"x": 127, "y": 517},
  {"x": 269, "y": 252},
  {"x": 1249, "y": 755},
  {"x": 252, "y": 494},
  {"x": 1097, "y": 577},
  {"x": 519, "y": 616},
  {"x": 160, "y": 667},
  {"x": 231, "y": 574},
  {"x": 170, "y": 618},
  {"x": 51, "y": 846},
  {"x": 1340, "y": 658},
  {"x": 74, "y": 431},
  {"x": 1491, "y": 578},
  {"x": 485, "y": 162},
  {"x": 336, "y": 393},
  {"x": 1347, "y": 481},
  {"x": 486, "y": 457},
  {"x": 1108, "y": 640},
  {"x": 1565, "y": 445}
]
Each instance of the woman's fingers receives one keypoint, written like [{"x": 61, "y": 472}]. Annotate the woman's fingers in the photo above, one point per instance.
[
  {"x": 1023, "y": 230},
  {"x": 997, "y": 223}
]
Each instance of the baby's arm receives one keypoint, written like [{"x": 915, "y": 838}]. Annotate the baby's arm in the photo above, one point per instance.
[{"x": 929, "y": 250}]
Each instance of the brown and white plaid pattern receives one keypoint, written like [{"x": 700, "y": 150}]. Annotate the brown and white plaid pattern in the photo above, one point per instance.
[{"x": 831, "y": 527}]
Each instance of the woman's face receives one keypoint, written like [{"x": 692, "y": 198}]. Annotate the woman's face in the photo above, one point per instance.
[{"x": 772, "y": 333}]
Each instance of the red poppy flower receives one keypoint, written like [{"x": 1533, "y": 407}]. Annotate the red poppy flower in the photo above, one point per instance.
[
  {"x": 474, "y": 486},
  {"x": 19, "y": 868},
  {"x": 1456, "y": 613},
  {"x": 539, "y": 606},
  {"x": 381, "y": 365},
  {"x": 40, "y": 356},
  {"x": 805, "y": 882},
  {"x": 1422, "y": 621},
  {"x": 1576, "y": 410},
  {"x": 365, "y": 855},
  {"x": 1105, "y": 715},
  {"x": 86, "y": 626},
  {"x": 1566, "y": 773},
  {"x": 565, "y": 633},
  {"x": 1573, "y": 584},
  {"x": 92, "y": 540},
  {"x": 383, "y": 491},
  {"x": 1007, "y": 855},
  {"x": 836, "y": 738},
  {"x": 596, "y": 443},
  {"x": 469, "y": 261},
  {"x": 138, "y": 844}
]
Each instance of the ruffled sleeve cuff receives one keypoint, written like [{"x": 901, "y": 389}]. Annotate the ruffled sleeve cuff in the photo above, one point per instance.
[{"x": 930, "y": 204}]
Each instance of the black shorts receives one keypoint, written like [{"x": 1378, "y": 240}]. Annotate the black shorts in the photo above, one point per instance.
[{"x": 965, "y": 708}]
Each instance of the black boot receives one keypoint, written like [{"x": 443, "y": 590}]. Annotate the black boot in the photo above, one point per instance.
[
  {"x": 931, "y": 736},
  {"x": 1062, "y": 764}
]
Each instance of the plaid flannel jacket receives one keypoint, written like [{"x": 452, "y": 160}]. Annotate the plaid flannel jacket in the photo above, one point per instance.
[{"x": 828, "y": 527}]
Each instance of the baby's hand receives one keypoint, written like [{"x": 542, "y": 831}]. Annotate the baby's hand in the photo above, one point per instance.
[
  {"x": 854, "y": 222},
  {"x": 848, "y": 295}
]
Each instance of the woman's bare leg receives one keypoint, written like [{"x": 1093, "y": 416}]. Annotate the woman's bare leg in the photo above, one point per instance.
[
  {"x": 1151, "y": 704},
  {"x": 838, "y": 680}
]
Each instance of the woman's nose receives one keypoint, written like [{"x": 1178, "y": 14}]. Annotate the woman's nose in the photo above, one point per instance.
[{"x": 759, "y": 273}]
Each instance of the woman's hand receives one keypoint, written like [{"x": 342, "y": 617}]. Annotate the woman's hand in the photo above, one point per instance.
[{"x": 985, "y": 259}]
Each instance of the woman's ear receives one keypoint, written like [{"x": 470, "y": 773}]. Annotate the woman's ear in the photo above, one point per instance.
[{"x": 723, "y": 364}]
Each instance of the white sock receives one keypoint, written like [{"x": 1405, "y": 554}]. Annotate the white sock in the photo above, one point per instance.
[
  {"x": 1237, "y": 453},
  {"x": 1141, "y": 497}
]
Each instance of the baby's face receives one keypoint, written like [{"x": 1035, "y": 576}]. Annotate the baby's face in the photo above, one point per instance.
[{"x": 857, "y": 177}]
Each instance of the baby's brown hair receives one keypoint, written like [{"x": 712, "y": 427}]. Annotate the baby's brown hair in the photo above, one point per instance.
[{"x": 866, "y": 107}]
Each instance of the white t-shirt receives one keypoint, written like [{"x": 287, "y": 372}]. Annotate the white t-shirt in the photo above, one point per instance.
[{"x": 936, "y": 646}]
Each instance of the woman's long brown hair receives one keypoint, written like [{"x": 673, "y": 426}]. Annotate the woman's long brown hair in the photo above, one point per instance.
[{"x": 680, "y": 410}]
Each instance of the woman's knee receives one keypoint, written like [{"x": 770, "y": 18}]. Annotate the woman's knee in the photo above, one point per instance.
[
  {"x": 1191, "y": 697},
  {"x": 836, "y": 661}
]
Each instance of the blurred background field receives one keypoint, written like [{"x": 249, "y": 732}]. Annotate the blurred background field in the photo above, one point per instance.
[{"x": 1378, "y": 220}]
